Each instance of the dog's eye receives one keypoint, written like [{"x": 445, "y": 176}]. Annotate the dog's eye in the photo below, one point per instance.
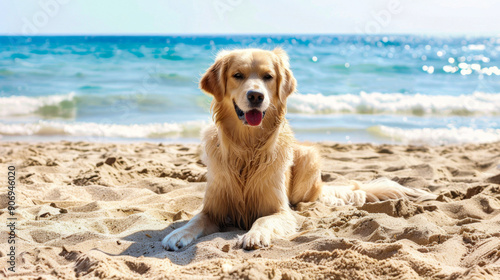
[
  {"x": 267, "y": 77},
  {"x": 238, "y": 76}
]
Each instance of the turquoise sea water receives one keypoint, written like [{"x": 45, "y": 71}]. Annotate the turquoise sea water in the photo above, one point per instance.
[{"x": 382, "y": 89}]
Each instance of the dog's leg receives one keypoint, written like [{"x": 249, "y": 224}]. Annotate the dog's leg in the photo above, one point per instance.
[
  {"x": 198, "y": 226},
  {"x": 380, "y": 189},
  {"x": 267, "y": 227},
  {"x": 306, "y": 175}
]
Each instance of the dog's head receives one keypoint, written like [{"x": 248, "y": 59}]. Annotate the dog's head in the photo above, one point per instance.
[{"x": 252, "y": 81}]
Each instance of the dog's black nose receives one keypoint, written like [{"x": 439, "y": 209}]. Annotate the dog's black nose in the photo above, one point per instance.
[{"x": 255, "y": 98}]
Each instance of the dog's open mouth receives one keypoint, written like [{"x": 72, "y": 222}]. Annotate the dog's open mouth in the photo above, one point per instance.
[{"x": 253, "y": 117}]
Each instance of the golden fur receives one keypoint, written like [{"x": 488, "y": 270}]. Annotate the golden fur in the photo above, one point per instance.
[{"x": 256, "y": 172}]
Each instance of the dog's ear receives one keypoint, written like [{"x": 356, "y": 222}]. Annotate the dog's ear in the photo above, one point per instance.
[
  {"x": 214, "y": 80},
  {"x": 286, "y": 81}
]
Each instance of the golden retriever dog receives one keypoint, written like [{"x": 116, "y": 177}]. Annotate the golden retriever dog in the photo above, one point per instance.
[{"x": 256, "y": 169}]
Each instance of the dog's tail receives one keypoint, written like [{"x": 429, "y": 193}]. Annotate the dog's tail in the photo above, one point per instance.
[{"x": 379, "y": 189}]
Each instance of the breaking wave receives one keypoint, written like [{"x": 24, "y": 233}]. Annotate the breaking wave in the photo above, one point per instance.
[
  {"x": 96, "y": 130},
  {"x": 396, "y": 103}
]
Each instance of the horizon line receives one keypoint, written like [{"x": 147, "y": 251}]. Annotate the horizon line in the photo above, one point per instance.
[{"x": 250, "y": 34}]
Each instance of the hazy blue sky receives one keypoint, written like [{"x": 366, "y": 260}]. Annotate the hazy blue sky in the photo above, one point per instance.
[{"x": 28, "y": 17}]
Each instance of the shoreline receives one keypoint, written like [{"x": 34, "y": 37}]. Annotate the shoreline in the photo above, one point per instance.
[
  {"x": 197, "y": 142},
  {"x": 90, "y": 209}
]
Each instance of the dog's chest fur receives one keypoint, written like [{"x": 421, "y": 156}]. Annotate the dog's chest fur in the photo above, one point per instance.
[{"x": 250, "y": 181}]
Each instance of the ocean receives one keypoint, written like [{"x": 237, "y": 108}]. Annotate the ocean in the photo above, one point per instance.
[{"x": 401, "y": 89}]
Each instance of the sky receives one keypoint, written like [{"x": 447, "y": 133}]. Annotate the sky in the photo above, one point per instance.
[{"x": 167, "y": 17}]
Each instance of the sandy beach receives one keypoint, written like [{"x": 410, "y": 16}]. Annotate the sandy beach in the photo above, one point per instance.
[{"x": 100, "y": 210}]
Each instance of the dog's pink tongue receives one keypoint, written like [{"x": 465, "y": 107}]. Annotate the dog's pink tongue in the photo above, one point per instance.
[{"x": 253, "y": 117}]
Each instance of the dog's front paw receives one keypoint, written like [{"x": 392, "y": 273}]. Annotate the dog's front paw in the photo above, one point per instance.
[
  {"x": 255, "y": 239},
  {"x": 177, "y": 239}
]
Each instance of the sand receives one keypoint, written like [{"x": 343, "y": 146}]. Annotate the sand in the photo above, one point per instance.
[{"x": 100, "y": 210}]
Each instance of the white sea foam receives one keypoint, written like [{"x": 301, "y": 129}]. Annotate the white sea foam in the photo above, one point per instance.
[
  {"x": 479, "y": 103},
  {"x": 437, "y": 136},
  {"x": 95, "y": 130},
  {"x": 24, "y": 105}
]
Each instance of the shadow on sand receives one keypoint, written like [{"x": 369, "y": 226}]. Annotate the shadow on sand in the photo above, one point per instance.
[{"x": 147, "y": 243}]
